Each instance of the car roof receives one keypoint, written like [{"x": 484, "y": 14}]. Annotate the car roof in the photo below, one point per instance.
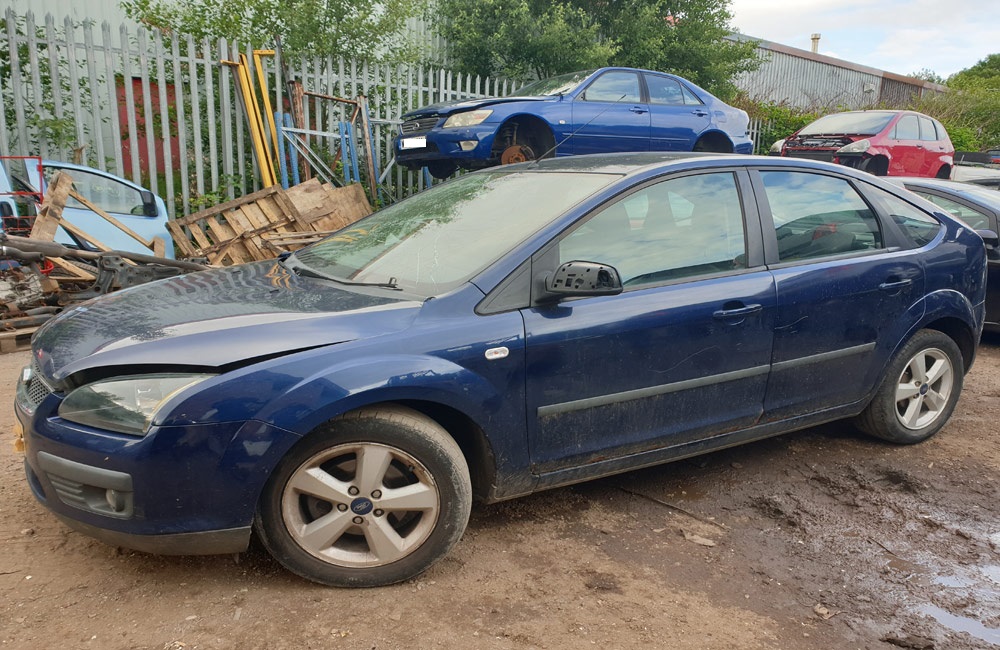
[
  {"x": 975, "y": 193},
  {"x": 641, "y": 162}
]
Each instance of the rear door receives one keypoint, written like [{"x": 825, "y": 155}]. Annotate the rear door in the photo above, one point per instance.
[
  {"x": 677, "y": 116},
  {"x": 610, "y": 115},
  {"x": 680, "y": 355},
  {"x": 844, "y": 286}
]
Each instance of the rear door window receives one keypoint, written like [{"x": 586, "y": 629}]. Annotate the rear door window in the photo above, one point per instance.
[{"x": 818, "y": 216}]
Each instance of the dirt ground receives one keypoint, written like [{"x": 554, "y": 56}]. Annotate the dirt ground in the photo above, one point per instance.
[{"x": 822, "y": 539}]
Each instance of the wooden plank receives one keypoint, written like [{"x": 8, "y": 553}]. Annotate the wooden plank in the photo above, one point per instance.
[
  {"x": 182, "y": 238},
  {"x": 93, "y": 241},
  {"x": 76, "y": 273},
  {"x": 159, "y": 247},
  {"x": 224, "y": 233},
  {"x": 348, "y": 205},
  {"x": 310, "y": 199},
  {"x": 114, "y": 222},
  {"x": 201, "y": 238},
  {"x": 16, "y": 340},
  {"x": 239, "y": 222},
  {"x": 47, "y": 221},
  {"x": 228, "y": 205}
]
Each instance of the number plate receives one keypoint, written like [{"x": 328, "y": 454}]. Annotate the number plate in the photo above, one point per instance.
[{"x": 413, "y": 143}]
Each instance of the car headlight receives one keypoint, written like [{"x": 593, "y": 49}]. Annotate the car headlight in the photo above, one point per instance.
[
  {"x": 124, "y": 404},
  {"x": 860, "y": 146},
  {"x": 469, "y": 118},
  {"x": 775, "y": 149}
]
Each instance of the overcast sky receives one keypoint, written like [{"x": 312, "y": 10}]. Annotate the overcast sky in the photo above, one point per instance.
[{"x": 901, "y": 36}]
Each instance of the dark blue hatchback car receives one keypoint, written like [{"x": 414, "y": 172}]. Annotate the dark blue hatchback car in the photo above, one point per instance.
[
  {"x": 593, "y": 111},
  {"x": 515, "y": 329}
]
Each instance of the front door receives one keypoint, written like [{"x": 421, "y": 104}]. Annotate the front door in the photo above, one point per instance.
[
  {"x": 610, "y": 116},
  {"x": 681, "y": 354}
]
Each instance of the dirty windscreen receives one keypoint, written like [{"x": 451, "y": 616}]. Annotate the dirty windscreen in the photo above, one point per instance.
[
  {"x": 866, "y": 123},
  {"x": 440, "y": 238},
  {"x": 559, "y": 85}
]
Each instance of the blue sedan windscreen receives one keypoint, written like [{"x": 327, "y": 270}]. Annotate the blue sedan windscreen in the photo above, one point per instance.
[{"x": 440, "y": 238}]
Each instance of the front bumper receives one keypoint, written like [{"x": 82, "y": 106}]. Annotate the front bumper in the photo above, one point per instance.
[
  {"x": 190, "y": 490},
  {"x": 447, "y": 145}
]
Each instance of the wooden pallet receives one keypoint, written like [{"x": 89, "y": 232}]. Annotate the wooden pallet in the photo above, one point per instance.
[
  {"x": 16, "y": 340},
  {"x": 236, "y": 232}
]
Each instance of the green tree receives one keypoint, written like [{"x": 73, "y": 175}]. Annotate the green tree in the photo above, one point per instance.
[
  {"x": 520, "y": 39},
  {"x": 928, "y": 75},
  {"x": 531, "y": 37},
  {"x": 690, "y": 38},
  {"x": 984, "y": 74},
  {"x": 349, "y": 28}
]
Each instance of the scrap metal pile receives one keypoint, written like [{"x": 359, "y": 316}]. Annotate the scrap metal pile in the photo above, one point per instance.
[{"x": 39, "y": 277}]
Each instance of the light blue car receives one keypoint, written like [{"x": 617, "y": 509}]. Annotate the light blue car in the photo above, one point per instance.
[{"x": 135, "y": 207}]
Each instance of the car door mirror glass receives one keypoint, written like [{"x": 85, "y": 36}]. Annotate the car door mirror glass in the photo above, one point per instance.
[
  {"x": 148, "y": 203},
  {"x": 579, "y": 278}
]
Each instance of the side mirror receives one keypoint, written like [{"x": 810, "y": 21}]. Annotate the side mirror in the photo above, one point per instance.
[
  {"x": 990, "y": 238},
  {"x": 579, "y": 278},
  {"x": 992, "y": 241},
  {"x": 148, "y": 203}
]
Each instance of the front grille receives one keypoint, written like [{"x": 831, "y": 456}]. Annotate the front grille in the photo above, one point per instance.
[
  {"x": 418, "y": 125},
  {"x": 812, "y": 155},
  {"x": 31, "y": 393}
]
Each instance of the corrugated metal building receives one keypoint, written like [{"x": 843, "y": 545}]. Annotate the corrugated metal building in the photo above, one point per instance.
[{"x": 808, "y": 80}]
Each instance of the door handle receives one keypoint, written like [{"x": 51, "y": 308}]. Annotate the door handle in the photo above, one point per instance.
[
  {"x": 638, "y": 109},
  {"x": 895, "y": 285},
  {"x": 736, "y": 312},
  {"x": 699, "y": 113}
]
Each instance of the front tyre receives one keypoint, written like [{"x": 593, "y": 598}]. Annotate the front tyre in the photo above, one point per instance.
[
  {"x": 919, "y": 391},
  {"x": 374, "y": 498}
]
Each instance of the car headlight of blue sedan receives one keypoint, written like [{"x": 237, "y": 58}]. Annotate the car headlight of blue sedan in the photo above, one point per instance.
[
  {"x": 124, "y": 404},
  {"x": 470, "y": 118}
]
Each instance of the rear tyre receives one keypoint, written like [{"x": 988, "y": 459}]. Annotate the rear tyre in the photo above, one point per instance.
[
  {"x": 374, "y": 498},
  {"x": 918, "y": 392}
]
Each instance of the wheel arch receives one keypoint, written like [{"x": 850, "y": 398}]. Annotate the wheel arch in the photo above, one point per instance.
[
  {"x": 959, "y": 331},
  {"x": 714, "y": 141},
  {"x": 534, "y": 123},
  {"x": 470, "y": 437}
]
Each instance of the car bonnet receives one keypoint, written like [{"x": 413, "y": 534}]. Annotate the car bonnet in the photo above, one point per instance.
[{"x": 212, "y": 319}]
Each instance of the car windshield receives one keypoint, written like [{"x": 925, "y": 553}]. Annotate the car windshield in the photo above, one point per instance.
[
  {"x": 867, "y": 123},
  {"x": 440, "y": 238},
  {"x": 559, "y": 85}
]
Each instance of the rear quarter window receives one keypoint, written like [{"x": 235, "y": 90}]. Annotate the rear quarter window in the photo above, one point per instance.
[{"x": 917, "y": 226}]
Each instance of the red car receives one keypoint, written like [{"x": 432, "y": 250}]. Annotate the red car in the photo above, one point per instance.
[{"x": 885, "y": 143}]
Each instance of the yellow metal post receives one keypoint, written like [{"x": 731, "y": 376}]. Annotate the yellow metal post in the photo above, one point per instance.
[
  {"x": 257, "y": 137},
  {"x": 265, "y": 97}
]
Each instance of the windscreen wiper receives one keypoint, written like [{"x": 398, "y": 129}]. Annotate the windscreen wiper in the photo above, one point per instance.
[{"x": 293, "y": 264}]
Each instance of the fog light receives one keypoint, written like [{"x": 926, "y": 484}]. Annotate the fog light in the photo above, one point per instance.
[
  {"x": 116, "y": 500},
  {"x": 468, "y": 145}
]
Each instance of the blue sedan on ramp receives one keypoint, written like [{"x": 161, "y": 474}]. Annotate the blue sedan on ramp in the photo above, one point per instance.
[{"x": 594, "y": 111}]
